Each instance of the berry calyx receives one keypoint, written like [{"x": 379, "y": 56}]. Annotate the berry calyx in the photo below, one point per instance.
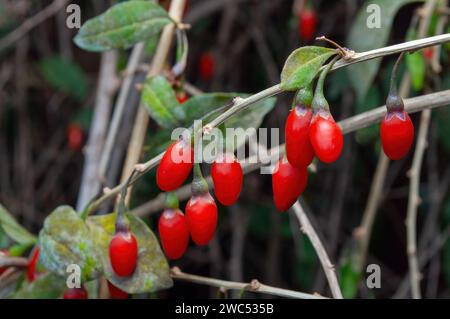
[
  {"x": 116, "y": 293},
  {"x": 175, "y": 165},
  {"x": 288, "y": 183},
  {"x": 75, "y": 137},
  {"x": 76, "y": 293},
  {"x": 31, "y": 269},
  {"x": 397, "y": 129},
  {"x": 227, "y": 176},
  {"x": 173, "y": 229},
  {"x": 206, "y": 66},
  {"x": 3, "y": 253},
  {"x": 201, "y": 210},
  {"x": 325, "y": 135},
  {"x": 307, "y": 22},
  {"x": 299, "y": 150}
]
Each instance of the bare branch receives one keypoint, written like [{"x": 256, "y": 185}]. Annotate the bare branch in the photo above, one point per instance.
[
  {"x": 253, "y": 286},
  {"x": 327, "y": 266}
]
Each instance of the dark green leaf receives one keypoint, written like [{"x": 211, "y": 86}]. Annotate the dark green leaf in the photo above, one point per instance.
[
  {"x": 122, "y": 26},
  {"x": 363, "y": 37},
  {"x": 199, "y": 105},
  {"x": 65, "y": 76},
  {"x": 152, "y": 271},
  {"x": 13, "y": 229},
  {"x": 302, "y": 66},
  {"x": 46, "y": 286},
  {"x": 65, "y": 240},
  {"x": 349, "y": 279},
  {"x": 161, "y": 102}
]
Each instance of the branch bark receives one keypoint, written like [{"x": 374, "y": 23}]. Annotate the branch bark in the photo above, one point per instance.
[
  {"x": 253, "y": 286},
  {"x": 327, "y": 266}
]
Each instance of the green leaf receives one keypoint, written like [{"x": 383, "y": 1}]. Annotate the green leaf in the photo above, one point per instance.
[
  {"x": 364, "y": 36},
  {"x": 65, "y": 76},
  {"x": 65, "y": 240},
  {"x": 13, "y": 229},
  {"x": 161, "y": 102},
  {"x": 302, "y": 66},
  {"x": 349, "y": 280},
  {"x": 46, "y": 286},
  {"x": 199, "y": 105},
  {"x": 122, "y": 26},
  {"x": 416, "y": 67},
  {"x": 152, "y": 271}
]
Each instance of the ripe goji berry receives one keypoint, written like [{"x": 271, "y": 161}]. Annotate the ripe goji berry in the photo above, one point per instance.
[
  {"x": 288, "y": 183},
  {"x": 175, "y": 166},
  {"x": 397, "y": 130},
  {"x": 123, "y": 253},
  {"x": 173, "y": 232},
  {"x": 325, "y": 136},
  {"x": 299, "y": 150},
  {"x": 76, "y": 293},
  {"x": 182, "y": 97},
  {"x": 226, "y": 173}
]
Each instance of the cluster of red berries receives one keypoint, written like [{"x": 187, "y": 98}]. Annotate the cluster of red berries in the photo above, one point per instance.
[
  {"x": 201, "y": 216},
  {"x": 308, "y": 133}
]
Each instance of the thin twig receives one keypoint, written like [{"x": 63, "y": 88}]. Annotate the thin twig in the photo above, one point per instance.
[
  {"x": 7, "y": 261},
  {"x": 31, "y": 23},
  {"x": 327, "y": 266},
  {"x": 253, "y": 286},
  {"x": 414, "y": 174}
]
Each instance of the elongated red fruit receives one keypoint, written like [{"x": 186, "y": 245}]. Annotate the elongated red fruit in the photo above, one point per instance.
[
  {"x": 116, "y": 293},
  {"x": 76, "y": 293},
  {"x": 397, "y": 134},
  {"x": 299, "y": 150},
  {"x": 175, "y": 166},
  {"x": 123, "y": 253},
  {"x": 307, "y": 24},
  {"x": 288, "y": 183},
  {"x": 206, "y": 66},
  {"x": 173, "y": 232},
  {"x": 201, "y": 217},
  {"x": 31, "y": 269},
  {"x": 325, "y": 136},
  {"x": 227, "y": 175},
  {"x": 75, "y": 136}
]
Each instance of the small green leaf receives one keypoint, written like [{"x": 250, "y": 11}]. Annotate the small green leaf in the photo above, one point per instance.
[
  {"x": 122, "y": 26},
  {"x": 46, "y": 286},
  {"x": 152, "y": 271},
  {"x": 65, "y": 240},
  {"x": 160, "y": 100},
  {"x": 302, "y": 66},
  {"x": 65, "y": 76},
  {"x": 366, "y": 35},
  {"x": 416, "y": 67},
  {"x": 349, "y": 279},
  {"x": 13, "y": 229}
]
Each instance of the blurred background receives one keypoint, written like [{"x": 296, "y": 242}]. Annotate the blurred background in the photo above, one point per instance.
[{"x": 50, "y": 88}]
